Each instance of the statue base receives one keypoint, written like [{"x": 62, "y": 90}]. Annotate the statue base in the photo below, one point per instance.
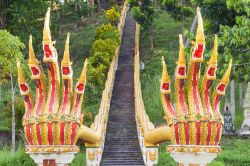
[
  {"x": 197, "y": 155},
  {"x": 52, "y": 155}
]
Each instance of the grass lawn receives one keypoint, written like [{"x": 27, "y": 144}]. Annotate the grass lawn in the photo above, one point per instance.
[{"x": 235, "y": 151}]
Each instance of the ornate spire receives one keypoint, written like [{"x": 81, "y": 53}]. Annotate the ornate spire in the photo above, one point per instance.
[
  {"x": 66, "y": 56},
  {"x": 200, "y": 38},
  {"x": 82, "y": 78},
  {"x": 181, "y": 60},
  {"x": 46, "y": 30},
  {"x": 32, "y": 57},
  {"x": 21, "y": 79},
  {"x": 214, "y": 55},
  {"x": 165, "y": 76},
  {"x": 226, "y": 77}
]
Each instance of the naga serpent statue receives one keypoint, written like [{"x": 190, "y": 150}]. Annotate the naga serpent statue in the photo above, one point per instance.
[
  {"x": 196, "y": 122},
  {"x": 52, "y": 124}
]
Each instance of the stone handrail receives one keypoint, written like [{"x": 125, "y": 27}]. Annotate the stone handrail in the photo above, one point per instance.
[{"x": 148, "y": 135}]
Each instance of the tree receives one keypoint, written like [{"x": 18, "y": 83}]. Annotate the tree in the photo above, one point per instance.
[
  {"x": 179, "y": 10},
  {"x": 26, "y": 17},
  {"x": 144, "y": 13},
  {"x": 236, "y": 43},
  {"x": 215, "y": 13},
  {"x": 10, "y": 51}
]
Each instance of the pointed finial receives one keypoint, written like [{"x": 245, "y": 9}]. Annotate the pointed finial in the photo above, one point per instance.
[
  {"x": 82, "y": 78},
  {"x": 181, "y": 60},
  {"x": 226, "y": 77},
  {"x": 21, "y": 78},
  {"x": 46, "y": 30},
  {"x": 200, "y": 38},
  {"x": 214, "y": 55},
  {"x": 32, "y": 57},
  {"x": 66, "y": 56},
  {"x": 165, "y": 76}
]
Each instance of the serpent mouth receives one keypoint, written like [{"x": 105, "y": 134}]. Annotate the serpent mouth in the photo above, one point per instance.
[
  {"x": 221, "y": 89},
  {"x": 24, "y": 89},
  {"x": 211, "y": 73},
  {"x": 165, "y": 87},
  {"x": 80, "y": 88},
  {"x": 35, "y": 72},
  {"x": 49, "y": 55},
  {"x": 198, "y": 53},
  {"x": 181, "y": 72},
  {"x": 66, "y": 72}
]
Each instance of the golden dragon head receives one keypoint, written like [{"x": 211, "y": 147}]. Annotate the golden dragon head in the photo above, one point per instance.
[
  {"x": 196, "y": 119},
  {"x": 54, "y": 118}
]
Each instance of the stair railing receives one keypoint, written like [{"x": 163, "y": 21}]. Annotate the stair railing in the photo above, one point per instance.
[{"x": 149, "y": 136}]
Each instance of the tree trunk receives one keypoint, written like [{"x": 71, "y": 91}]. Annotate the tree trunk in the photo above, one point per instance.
[
  {"x": 192, "y": 29},
  {"x": 151, "y": 38},
  {"x": 13, "y": 139},
  {"x": 241, "y": 94},
  {"x": 76, "y": 6},
  {"x": 99, "y": 5},
  {"x": 232, "y": 99}
]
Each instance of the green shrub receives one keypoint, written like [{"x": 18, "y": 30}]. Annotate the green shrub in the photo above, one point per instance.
[
  {"x": 96, "y": 76},
  {"x": 113, "y": 15},
  {"x": 108, "y": 31},
  {"x": 100, "y": 58},
  {"x": 107, "y": 46},
  {"x": 19, "y": 158}
]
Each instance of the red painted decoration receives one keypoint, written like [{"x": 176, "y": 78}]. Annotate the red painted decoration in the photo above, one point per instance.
[
  {"x": 80, "y": 87},
  {"x": 181, "y": 71},
  {"x": 24, "y": 87},
  {"x": 221, "y": 87},
  {"x": 166, "y": 86},
  {"x": 34, "y": 71},
  {"x": 65, "y": 70},
  {"x": 211, "y": 71},
  {"x": 198, "y": 53},
  {"x": 47, "y": 51}
]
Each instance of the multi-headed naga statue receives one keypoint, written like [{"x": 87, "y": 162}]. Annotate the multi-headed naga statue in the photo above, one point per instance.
[
  {"x": 52, "y": 124},
  {"x": 196, "y": 123}
]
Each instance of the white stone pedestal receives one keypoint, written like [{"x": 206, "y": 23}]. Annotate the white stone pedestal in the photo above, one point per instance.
[
  {"x": 199, "y": 158},
  {"x": 245, "y": 128},
  {"x": 61, "y": 159},
  {"x": 198, "y": 155}
]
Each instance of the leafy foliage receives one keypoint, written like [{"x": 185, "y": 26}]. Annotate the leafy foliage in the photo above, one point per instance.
[
  {"x": 178, "y": 8},
  {"x": 26, "y": 17},
  {"x": 215, "y": 13},
  {"x": 10, "y": 51},
  {"x": 108, "y": 31},
  {"x": 113, "y": 15},
  {"x": 143, "y": 12},
  {"x": 235, "y": 40}
]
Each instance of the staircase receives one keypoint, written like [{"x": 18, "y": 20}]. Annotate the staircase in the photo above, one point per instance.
[{"x": 121, "y": 144}]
